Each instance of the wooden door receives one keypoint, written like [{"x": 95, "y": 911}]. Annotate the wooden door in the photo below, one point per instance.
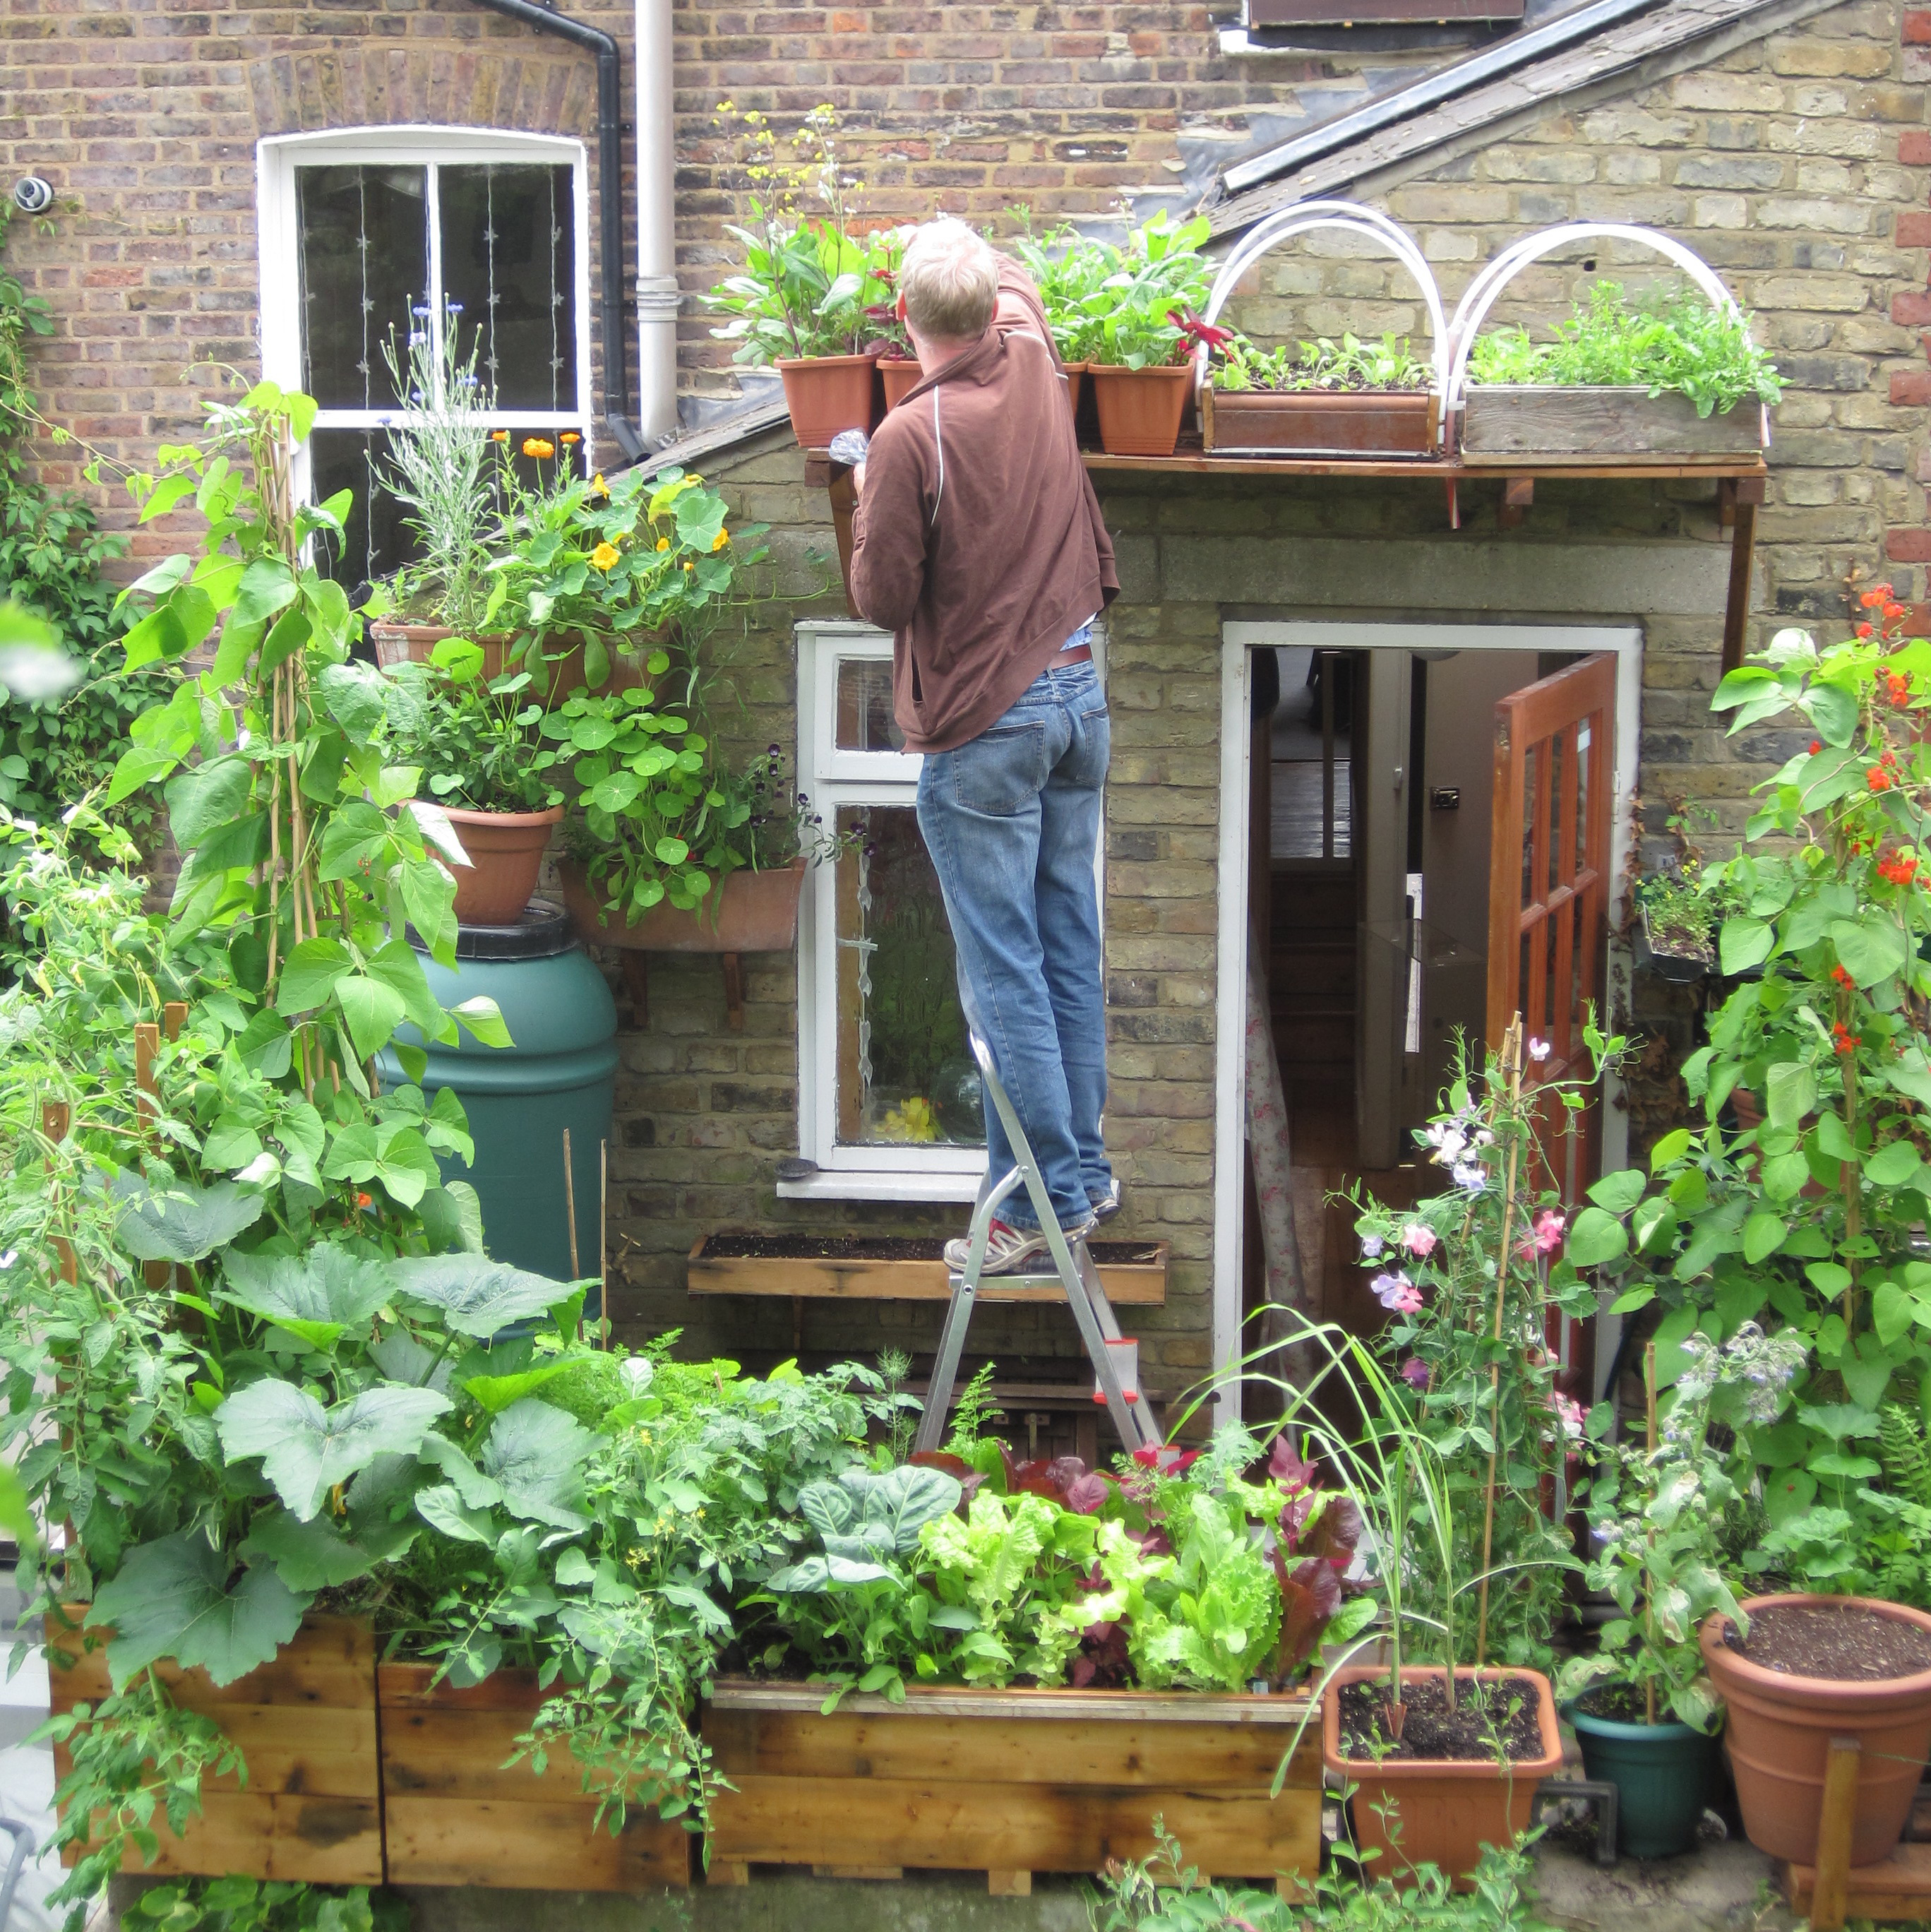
[{"x": 1549, "y": 886}]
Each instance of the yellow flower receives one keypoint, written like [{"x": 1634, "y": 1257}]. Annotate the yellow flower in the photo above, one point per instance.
[
  {"x": 663, "y": 543},
  {"x": 539, "y": 446},
  {"x": 603, "y": 556},
  {"x": 569, "y": 435},
  {"x": 688, "y": 564},
  {"x": 499, "y": 436},
  {"x": 723, "y": 538},
  {"x": 598, "y": 483}
]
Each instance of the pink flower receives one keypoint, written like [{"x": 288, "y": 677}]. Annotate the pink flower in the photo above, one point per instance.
[
  {"x": 1548, "y": 1228},
  {"x": 1416, "y": 1374},
  {"x": 1419, "y": 1239},
  {"x": 1568, "y": 1417},
  {"x": 1396, "y": 1293}
]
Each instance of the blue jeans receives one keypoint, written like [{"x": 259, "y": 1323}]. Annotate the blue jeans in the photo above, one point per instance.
[{"x": 1011, "y": 820}]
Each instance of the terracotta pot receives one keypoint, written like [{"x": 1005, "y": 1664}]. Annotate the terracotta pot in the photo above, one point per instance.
[
  {"x": 1778, "y": 1732},
  {"x": 900, "y": 378},
  {"x": 1140, "y": 410},
  {"x": 826, "y": 393},
  {"x": 505, "y": 851},
  {"x": 752, "y": 912},
  {"x": 1448, "y": 1808},
  {"x": 412, "y": 643}
]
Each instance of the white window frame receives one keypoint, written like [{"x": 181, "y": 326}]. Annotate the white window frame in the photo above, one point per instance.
[
  {"x": 834, "y": 778},
  {"x": 278, "y": 157}
]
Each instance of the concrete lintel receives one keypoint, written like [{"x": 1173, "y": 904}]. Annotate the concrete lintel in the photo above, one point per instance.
[{"x": 1603, "y": 580}]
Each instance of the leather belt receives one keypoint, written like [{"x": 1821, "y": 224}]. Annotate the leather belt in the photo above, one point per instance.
[{"x": 1078, "y": 654}]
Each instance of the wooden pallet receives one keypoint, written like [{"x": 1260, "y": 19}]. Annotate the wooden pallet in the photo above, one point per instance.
[
  {"x": 453, "y": 1815},
  {"x": 1009, "y": 1782},
  {"x": 311, "y": 1808},
  {"x": 1833, "y": 1889}
]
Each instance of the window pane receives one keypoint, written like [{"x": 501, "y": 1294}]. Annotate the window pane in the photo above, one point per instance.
[
  {"x": 904, "y": 1073},
  {"x": 363, "y": 257},
  {"x": 508, "y": 239},
  {"x": 344, "y": 459},
  {"x": 865, "y": 722}
]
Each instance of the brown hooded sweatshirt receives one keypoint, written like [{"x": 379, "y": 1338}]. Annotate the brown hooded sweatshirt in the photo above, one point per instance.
[{"x": 977, "y": 540}]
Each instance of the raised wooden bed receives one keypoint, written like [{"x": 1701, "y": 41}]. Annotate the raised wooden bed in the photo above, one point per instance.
[
  {"x": 1316, "y": 422},
  {"x": 453, "y": 1815},
  {"x": 1133, "y": 1272},
  {"x": 1009, "y": 1782},
  {"x": 306, "y": 1724},
  {"x": 1507, "y": 424}
]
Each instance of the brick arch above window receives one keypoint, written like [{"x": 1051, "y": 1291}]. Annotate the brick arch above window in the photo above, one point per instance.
[{"x": 361, "y": 89}]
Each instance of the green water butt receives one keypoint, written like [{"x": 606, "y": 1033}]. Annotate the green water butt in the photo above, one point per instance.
[{"x": 560, "y": 1072}]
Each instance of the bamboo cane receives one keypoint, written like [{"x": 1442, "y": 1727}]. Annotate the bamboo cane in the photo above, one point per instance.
[
  {"x": 603, "y": 1245},
  {"x": 570, "y": 1209},
  {"x": 1649, "y": 1534},
  {"x": 1511, "y": 1070}
]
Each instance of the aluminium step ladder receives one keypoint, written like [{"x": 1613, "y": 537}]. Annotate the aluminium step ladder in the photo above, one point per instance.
[{"x": 1073, "y": 1271}]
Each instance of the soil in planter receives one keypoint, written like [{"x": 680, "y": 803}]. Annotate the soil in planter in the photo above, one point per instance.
[
  {"x": 846, "y": 1248},
  {"x": 1621, "y": 1704},
  {"x": 1466, "y": 1735},
  {"x": 1351, "y": 387},
  {"x": 1849, "y": 1646}
]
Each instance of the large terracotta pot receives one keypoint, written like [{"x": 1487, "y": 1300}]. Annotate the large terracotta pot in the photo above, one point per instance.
[
  {"x": 826, "y": 393},
  {"x": 1140, "y": 410},
  {"x": 900, "y": 378},
  {"x": 1447, "y": 1809},
  {"x": 412, "y": 644},
  {"x": 1780, "y": 1728},
  {"x": 505, "y": 851},
  {"x": 752, "y": 912}
]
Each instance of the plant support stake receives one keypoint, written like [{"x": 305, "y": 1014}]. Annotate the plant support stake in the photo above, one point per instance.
[
  {"x": 1511, "y": 1069},
  {"x": 1649, "y": 1533}
]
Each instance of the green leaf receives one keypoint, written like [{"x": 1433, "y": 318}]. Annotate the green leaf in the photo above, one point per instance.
[
  {"x": 477, "y": 1296},
  {"x": 181, "y": 1222},
  {"x": 537, "y": 1454},
  {"x": 1893, "y": 1312},
  {"x": 441, "y": 1508},
  {"x": 1763, "y": 1235},
  {"x": 356, "y": 694},
  {"x": 399, "y": 968},
  {"x": 1594, "y": 1237},
  {"x": 356, "y": 838},
  {"x": 307, "y": 1556},
  {"x": 317, "y": 1296},
  {"x": 1745, "y": 942},
  {"x": 1870, "y": 949},
  {"x": 1894, "y": 1165},
  {"x": 498, "y": 1393},
  {"x": 372, "y": 1010},
  {"x": 1671, "y": 1148},
  {"x": 1618, "y": 1193},
  {"x": 484, "y": 1019},
  {"x": 305, "y": 1449},
  {"x": 172, "y": 1598},
  {"x": 309, "y": 974},
  {"x": 206, "y": 796},
  {"x": 267, "y": 586},
  {"x": 1791, "y": 1093}
]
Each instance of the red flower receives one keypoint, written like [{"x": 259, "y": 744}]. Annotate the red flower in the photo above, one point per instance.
[
  {"x": 1816, "y": 745},
  {"x": 365, "y": 1201},
  {"x": 1877, "y": 781},
  {"x": 1842, "y": 978},
  {"x": 1864, "y": 630},
  {"x": 1843, "y": 1039},
  {"x": 1190, "y": 325}
]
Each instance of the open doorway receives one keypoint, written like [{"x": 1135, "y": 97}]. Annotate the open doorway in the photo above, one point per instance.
[{"x": 1370, "y": 833}]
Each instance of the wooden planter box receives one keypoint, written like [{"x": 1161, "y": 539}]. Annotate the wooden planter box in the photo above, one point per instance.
[
  {"x": 306, "y": 1724},
  {"x": 1128, "y": 1279},
  {"x": 452, "y": 1815},
  {"x": 1315, "y": 422},
  {"x": 1009, "y": 1782},
  {"x": 1504, "y": 423}
]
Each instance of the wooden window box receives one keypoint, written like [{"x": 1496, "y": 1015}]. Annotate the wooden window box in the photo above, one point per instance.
[
  {"x": 1009, "y": 1782},
  {"x": 1317, "y": 422},
  {"x": 1509, "y": 425},
  {"x": 1134, "y": 1274},
  {"x": 306, "y": 1724},
  {"x": 453, "y": 1815}
]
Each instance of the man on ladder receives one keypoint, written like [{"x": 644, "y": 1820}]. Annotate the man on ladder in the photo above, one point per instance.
[{"x": 977, "y": 541}]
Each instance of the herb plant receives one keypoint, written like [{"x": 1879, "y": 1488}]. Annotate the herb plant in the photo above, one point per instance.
[
  {"x": 1688, "y": 347},
  {"x": 1348, "y": 365},
  {"x": 1133, "y": 316},
  {"x": 476, "y": 743}
]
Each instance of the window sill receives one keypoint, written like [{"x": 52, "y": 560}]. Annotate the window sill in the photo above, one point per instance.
[{"x": 832, "y": 1184}]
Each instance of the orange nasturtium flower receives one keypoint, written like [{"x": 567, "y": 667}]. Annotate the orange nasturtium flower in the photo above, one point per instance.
[
  {"x": 499, "y": 436},
  {"x": 603, "y": 556},
  {"x": 722, "y": 538},
  {"x": 539, "y": 446},
  {"x": 663, "y": 543},
  {"x": 569, "y": 435}
]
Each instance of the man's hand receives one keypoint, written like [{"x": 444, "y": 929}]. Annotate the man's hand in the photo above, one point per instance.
[{"x": 857, "y": 479}]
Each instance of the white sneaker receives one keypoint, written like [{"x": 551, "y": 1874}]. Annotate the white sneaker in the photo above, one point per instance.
[
  {"x": 1106, "y": 1205},
  {"x": 1011, "y": 1250}
]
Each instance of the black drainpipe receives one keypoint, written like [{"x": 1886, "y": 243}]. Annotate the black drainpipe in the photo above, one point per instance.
[{"x": 610, "y": 201}]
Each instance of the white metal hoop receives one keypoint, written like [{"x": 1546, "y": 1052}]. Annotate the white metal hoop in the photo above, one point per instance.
[
  {"x": 1304, "y": 217},
  {"x": 1484, "y": 291}
]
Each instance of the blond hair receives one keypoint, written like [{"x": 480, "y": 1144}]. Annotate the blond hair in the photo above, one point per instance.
[{"x": 950, "y": 281}]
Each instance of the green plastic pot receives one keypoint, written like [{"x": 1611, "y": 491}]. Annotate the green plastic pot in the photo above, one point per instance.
[{"x": 1663, "y": 1774}]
